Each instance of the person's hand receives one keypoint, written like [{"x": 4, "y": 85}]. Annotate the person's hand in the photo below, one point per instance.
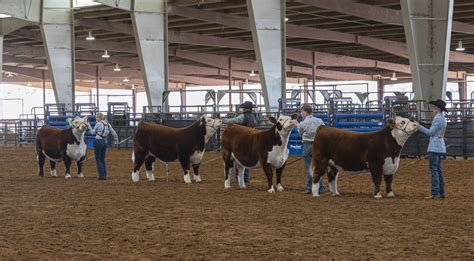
[
  {"x": 295, "y": 122},
  {"x": 116, "y": 142}
]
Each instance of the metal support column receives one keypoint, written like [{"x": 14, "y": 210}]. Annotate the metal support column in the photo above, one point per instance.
[
  {"x": 150, "y": 25},
  {"x": 427, "y": 26},
  {"x": 267, "y": 20},
  {"x": 313, "y": 76},
  {"x": 380, "y": 89},
  {"x": 230, "y": 83},
  {"x": 462, "y": 87},
  {"x": 241, "y": 94},
  {"x": 97, "y": 84},
  {"x": 305, "y": 91},
  {"x": 1, "y": 56},
  {"x": 57, "y": 29},
  {"x": 44, "y": 90}
]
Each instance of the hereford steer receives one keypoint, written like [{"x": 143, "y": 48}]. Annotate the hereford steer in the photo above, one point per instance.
[
  {"x": 375, "y": 152},
  {"x": 250, "y": 148},
  {"x": 170, "y": 144},
  {"x": 62, "y": 145}
]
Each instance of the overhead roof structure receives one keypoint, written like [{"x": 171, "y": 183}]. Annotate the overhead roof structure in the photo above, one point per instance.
[{"x": 349, "y": 39}]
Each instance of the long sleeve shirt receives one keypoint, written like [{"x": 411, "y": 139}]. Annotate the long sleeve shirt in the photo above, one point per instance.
[
  {"x": 436, "y": 133},
  {"x": 308, "y": 127},
  {"x": 102, "y": 129},
  {"x": 237, "y": 120}
]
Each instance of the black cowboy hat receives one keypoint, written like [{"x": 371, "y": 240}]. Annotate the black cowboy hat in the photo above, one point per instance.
[
  {"x": 247, "y": 105},
  {"x": 440, "y": 104}
]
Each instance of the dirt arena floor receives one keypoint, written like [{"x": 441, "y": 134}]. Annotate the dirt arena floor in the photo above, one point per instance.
[{"x": 54, "y": 218}]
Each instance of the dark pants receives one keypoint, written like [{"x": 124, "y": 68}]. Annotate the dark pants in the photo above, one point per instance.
[
  {"x": 100, "y": 147},
  {"x": 437, "y": 179}
]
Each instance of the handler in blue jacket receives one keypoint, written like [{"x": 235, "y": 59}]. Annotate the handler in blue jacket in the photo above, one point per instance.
[
  {"x": 436, "y": 148},
  {"x": 101, "y": 130}
]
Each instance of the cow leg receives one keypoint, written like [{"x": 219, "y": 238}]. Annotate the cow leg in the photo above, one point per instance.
[
  {"x": 279, "y": 173},
  {"x": 79, "y": 167},
  {"x": 149, "y": 168},
  {"x": 228, "y": 164},
  {"x": 267, "y": 168},
  {"x": 240, "y": 170},
  {"x": 376, "y": 172},
  {"x": 138, "y": 162},
  {"x": 388, "y": 185},
  {"x": 317, "y": 170},
  {"x": 52, "y": 164},
  {"x": 185, "y": 164},
  {"x": 196, "y": 176},
  {"x": 67, "y": 164},
  {"x": 333, "y": 174},
  {"x": 41, "y": 160}
]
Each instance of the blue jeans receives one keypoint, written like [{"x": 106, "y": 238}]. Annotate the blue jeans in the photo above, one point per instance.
[
  {"x": 307, "y": 156},
  {"x": 100, "y": 147},
  {"x": 437, "y": 179}
]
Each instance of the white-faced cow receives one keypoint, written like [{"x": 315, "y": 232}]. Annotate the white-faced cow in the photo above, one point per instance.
[
  {"x": 62, "y": 145},
  {"x": 375, "y": 152},
  {"x": 169, "y": 144},
  {"x": 251, "y": 148}
]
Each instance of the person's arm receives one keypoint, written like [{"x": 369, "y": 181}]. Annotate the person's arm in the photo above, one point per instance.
[
  {"x": 238, "y": 120},
  {"x": 301, "y": 127},
  {"x": 97, "y": 128},
  {"x": 435, "y": 127},
  {"x": 112, "y": 131}
]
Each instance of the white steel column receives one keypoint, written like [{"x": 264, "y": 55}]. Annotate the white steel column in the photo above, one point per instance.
[
  {"x": 267, "y": 20},
  {"x": 1, "y": 56},
  {"x": 428, "y": 35},
  {"x": 57, "y": 30},
  {"x": 150, "y": 25}
]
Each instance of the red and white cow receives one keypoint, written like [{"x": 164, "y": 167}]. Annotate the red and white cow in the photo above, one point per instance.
[
  {"x": 251, "y": 148},
  {"x": 62, "y": 145},
  {"x": 167, "y": 144},
  {"x": 377, "y": 153}
]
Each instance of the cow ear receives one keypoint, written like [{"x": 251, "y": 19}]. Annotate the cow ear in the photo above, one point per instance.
[
  {"x": 391, "y": 123},
  {"x": 69, "y": 120},
  {"x": 203, "y": 120},
  {"x": 85, "y": 118},
  {"x": 294, "y": 116},
  {"x": 272, "y": 120}
]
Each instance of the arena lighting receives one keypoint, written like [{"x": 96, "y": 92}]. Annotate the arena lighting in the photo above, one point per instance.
[
  {"x": 252, "y": 74},
  {"x": 133, "y": 87},
  {"x": 29, "y": 84},
  {"x": 106, "y": 55},
  {"x": 10, "y": 75},
  {"x": 5, "y": 16},
  {"x": 394, "y": 77},
  {"x": 126, "y": 79},
  {"x": 117, "y": 68},
  {"x": 90, "y": 37},
  {"x": 286, "y": 19},
  {"x": 460, "y": 48}
]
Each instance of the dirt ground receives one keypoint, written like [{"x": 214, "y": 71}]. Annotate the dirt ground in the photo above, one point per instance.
[{"x": 54, "y": 218}]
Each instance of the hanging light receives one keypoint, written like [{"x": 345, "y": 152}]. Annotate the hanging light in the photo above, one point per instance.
[
  {"x": 10, "y": 75},
  {"x": 133, "y": 87},
  {"x": 90, "y": 37},
  {"x": 29, "y": 84},
  {"x": 5, "y": 16},
  {"x": 126, "y": 79},
  {"x": 117, "y": 68},
  {"x": 394, "y": 77},
  {"x": 106, "y": 55},
  {"x": 252, "y": 73},
  {"x": 460, "y": 48},
  {"x": 286, "y": 19}
]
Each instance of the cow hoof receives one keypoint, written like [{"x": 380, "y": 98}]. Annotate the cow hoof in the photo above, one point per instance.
[
  {"x": 280, "y": 188},
  {"x": 242, "y": 186},
  {"x": 80, "y": 175},
  {"x": 135, "y": 177},
  {"x": 53, "y": 174},
  {"x": 336, "y": 195},
  {"x": 68, "y": 176},
  {"x": 150, "y": 176},
  {"x": 378, "y": 196},
  {"x": 390, "y": 194},
  {"x": 197, "y": 178},
  {"x": 187, "y": 179},
  {"x": 227, "y": 184},
  {"x": 271, "y": 190},
  {"x": 316, "y": 195}
]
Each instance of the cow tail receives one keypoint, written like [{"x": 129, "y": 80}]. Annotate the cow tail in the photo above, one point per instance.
[
  {"x": 133, "y": 156},
  {"x": 311, "y": 168}
]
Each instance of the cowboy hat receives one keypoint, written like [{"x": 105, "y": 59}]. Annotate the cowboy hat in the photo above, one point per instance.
[
  {"x": 440, "y": 104},
  {"x": 246, "y": 105}
]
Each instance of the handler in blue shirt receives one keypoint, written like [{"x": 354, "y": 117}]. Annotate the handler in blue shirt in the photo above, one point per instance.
[
  {"x": 101, "y": 130},
  {"x": 307, "y": 130},
  {"x": 436, "y": 148}
]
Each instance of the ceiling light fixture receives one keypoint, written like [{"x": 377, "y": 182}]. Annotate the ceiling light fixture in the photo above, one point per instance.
[
  {"x": 126, "y": 79},
  {"x": 394, "y": 77},
  {"x": 106, "y": 55},
  {"x": 10, "y": 75},
  {"x": 5, "y": 16},
  {"x": 460, "y": 48},
  {"x": 286, "y": 19},
  {"x": 29, "y": 84},
  {"x": 117, "y": 68},
  {"x": 252, "y": 73},
  {"x": 90, "y": 37}
]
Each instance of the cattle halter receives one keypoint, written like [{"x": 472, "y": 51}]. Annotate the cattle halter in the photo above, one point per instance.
[{"x": 404, "y": 128}]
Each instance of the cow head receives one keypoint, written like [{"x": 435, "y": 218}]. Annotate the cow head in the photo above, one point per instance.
[
  {"x": 402, "y": 128},
  {"x": 211, "y": 126},
  {"x": 284, "y": 124},
  {"x": 79, "y": 123}
]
